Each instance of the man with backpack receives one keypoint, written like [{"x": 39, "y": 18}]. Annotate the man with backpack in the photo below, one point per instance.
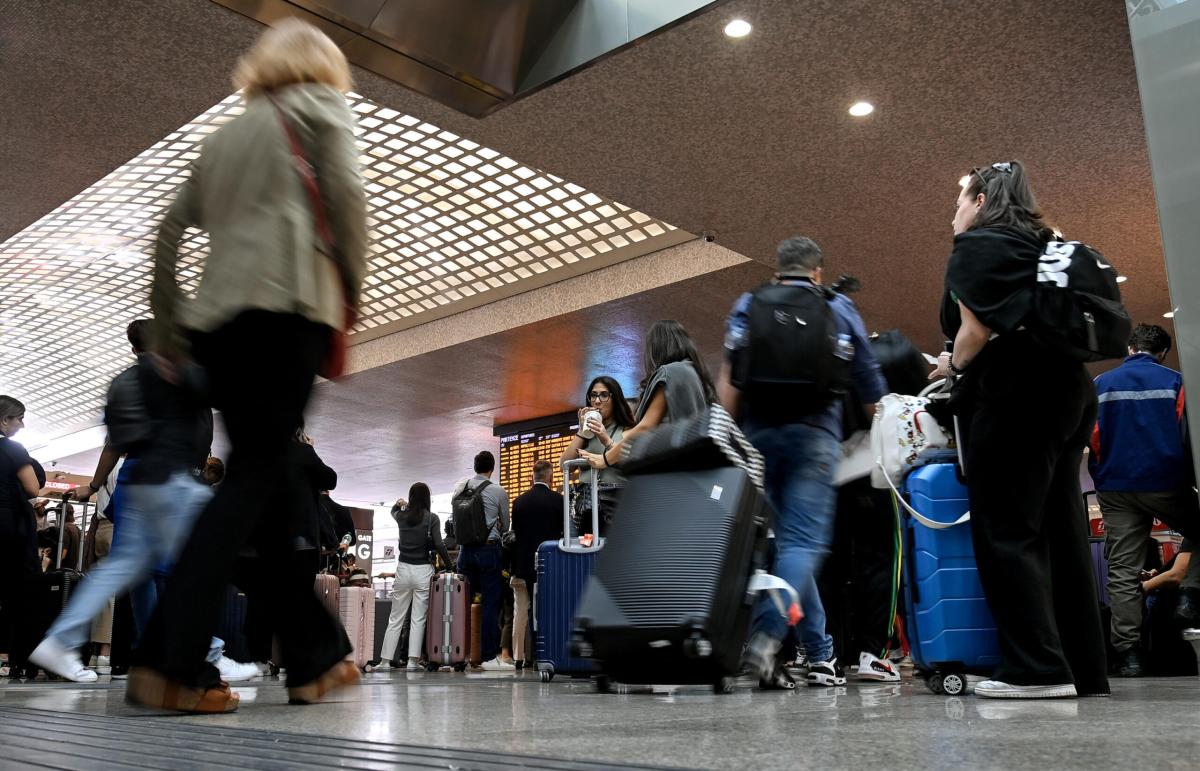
[
  {"x": 793, "y": 351},
  {"x": 480, "y": 515}
]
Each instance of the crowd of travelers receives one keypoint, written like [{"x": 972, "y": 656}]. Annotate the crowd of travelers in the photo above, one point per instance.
[{"x": 173, "y": 528}]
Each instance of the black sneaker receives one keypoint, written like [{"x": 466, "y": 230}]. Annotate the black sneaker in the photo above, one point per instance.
[
  {"x": 120, "y": 673},
  {"x": 1187, "y": 612},
  {"x": 1129, "y": 664},
  {"x": 825, "y": 674}
]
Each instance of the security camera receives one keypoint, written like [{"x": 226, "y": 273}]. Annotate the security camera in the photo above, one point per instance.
[{"x": 708, "y": 236}]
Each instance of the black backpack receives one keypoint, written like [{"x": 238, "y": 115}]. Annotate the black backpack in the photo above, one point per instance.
[
  {"x": 791, "y": 365},
  {"x": 470, "y": 519},
  {"x": 125, "y": 413},
  {"x": 1077, "y": 307}
]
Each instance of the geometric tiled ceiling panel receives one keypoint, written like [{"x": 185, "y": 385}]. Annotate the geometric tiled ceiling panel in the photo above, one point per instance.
[{"x": 452, "y": 225}]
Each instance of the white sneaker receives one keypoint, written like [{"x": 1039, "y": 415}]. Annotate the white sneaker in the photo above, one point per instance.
[
  {"x": 53, "y": 657},
  {"x": 101, "y": 665},
  {"x": 871, "y": 667},
  {"x": 496, "y": 665},
  {"x": 237, "y": 672},
  {"x": 414, "y": 665},
  {"x": 994, "y": 689}
]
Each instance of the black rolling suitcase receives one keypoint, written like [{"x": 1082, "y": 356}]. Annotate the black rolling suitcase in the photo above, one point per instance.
[
  {"x": 673, "y": 593},
  {"x": 60, "y": 581}
]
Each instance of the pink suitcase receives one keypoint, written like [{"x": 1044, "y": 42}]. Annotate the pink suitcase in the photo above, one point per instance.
[
  {"x": 358, "y": 617},
  {"x": 328, "y": 591},
  {"x": 448, "y": 626}
]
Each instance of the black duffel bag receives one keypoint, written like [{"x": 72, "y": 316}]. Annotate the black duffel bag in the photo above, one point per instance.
[{"x": 706, "y": 440}]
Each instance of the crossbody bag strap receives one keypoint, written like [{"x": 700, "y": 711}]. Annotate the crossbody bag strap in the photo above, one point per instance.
[{"x": 308, "y": 178}]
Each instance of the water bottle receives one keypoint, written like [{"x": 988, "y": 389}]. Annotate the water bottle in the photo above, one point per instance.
[{"x": 845, "y": 348}]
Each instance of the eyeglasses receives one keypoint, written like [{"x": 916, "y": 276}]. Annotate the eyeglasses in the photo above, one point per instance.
[{"x": 599, "y": 396}]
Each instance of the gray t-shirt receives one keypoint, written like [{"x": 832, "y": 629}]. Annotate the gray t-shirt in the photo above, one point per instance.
[
  {"x": 684, "y": 391},
  {"x": 608, "y": 475}
]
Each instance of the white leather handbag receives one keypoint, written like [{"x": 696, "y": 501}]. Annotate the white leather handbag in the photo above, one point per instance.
[{"x": 904, "y": 436}]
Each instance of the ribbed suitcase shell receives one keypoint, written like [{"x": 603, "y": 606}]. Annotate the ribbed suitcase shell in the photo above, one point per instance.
[
  {"x": 328, "y": 590},
  {"x": 357, "y": 613},
  {"x": 561, "y": 578},
  {"x": 950, "y": 627},
  {"x": 676, "y": 567},
  {"x": 448, "y": 625}
]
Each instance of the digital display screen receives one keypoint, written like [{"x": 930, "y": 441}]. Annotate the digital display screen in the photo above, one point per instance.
[{"x": 518, "y": 453}]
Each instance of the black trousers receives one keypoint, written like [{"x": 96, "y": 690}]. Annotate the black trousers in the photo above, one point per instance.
[
  {"x": 259, "y": 578},
  {"x": 858, "y": 582},
  {"x": 1030, "y": 415},
  {"x": 23, "y": 592},
  {"x": 261, "y": 367}
]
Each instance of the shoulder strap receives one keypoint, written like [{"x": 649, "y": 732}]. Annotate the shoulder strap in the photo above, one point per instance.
[
  {"x": 926, "y": 521},
  {"x": 308, "y": 178}
]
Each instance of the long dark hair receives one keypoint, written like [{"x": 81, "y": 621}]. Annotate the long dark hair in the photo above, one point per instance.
[
  {"x": 1008, "y": 200},
  {"x": 622, "y": 415},
  {"x": 666, "y": 342},
  {"x": 419, "y": 502}
]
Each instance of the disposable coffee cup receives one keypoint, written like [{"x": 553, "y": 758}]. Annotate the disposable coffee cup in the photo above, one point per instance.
[{"x": 583, "y": 429}]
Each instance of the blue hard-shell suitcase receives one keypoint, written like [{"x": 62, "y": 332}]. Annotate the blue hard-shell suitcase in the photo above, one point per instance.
[
  {"x": 563, "y": 568},
  {"x": 950, "y": 627}
]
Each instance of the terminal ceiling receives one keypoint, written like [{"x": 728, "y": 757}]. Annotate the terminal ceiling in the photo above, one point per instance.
[{"x": 747, "y": 139}]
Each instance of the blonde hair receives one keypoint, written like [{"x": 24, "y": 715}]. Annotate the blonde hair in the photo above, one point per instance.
[{"x": 293, "y": 51}]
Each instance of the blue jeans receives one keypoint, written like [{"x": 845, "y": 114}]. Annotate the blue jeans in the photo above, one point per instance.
[
  {"x": 801, "y": 461},
  {"x": 481, "y": 566},
  {"x": 153, "y": 523}
]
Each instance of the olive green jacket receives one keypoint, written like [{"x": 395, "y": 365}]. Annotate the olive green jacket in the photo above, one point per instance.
[{"x": 264, "y": 250}]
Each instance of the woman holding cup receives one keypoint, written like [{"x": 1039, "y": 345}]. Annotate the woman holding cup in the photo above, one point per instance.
[{"x": 602, "y": 424}]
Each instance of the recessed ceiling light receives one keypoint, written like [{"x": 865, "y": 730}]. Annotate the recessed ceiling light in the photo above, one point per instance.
[
  {"x": 1169, "y": 314},
  {"x": 1122, "y": 279},
  {"x": 738, "y": 28},
  {"x": 861, "y": 109}
]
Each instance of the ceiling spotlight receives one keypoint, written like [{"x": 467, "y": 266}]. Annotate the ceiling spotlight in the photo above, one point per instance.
[
  {"x": 738, "y": 28},
  {"x": 862, "y": 109},
  {"x": 1122, "y": 279},
  {"x": 1169, "y": 314}
]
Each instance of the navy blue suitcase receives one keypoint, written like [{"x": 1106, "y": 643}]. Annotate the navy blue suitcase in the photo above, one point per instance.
[{"x": 563, "y": 568}]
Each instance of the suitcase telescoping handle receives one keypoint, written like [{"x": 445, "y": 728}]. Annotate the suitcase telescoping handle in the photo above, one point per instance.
[
  {"x": 577, "y": 544},
  {"x": 63, "y": 530}
]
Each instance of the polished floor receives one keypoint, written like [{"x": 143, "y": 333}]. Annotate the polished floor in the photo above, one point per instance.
[{"x": 468, "y": 721}]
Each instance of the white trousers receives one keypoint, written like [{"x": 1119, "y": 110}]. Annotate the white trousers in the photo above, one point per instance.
[{"x": 411, "y": 588}]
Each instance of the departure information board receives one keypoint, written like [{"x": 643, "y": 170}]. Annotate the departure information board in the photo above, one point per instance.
[{"x": 518, "y": 453}]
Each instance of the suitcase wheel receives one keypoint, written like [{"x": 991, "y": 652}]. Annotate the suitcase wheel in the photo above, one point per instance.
[
  {"x": 725, "y": 685},
  {"x": 603, "y": 684},
  {"x": 954, "y": 684},
  {"x": 545, "y": 675},
  {"x": 460, "y": 666},
  {"x": 947, "y": 683}
]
